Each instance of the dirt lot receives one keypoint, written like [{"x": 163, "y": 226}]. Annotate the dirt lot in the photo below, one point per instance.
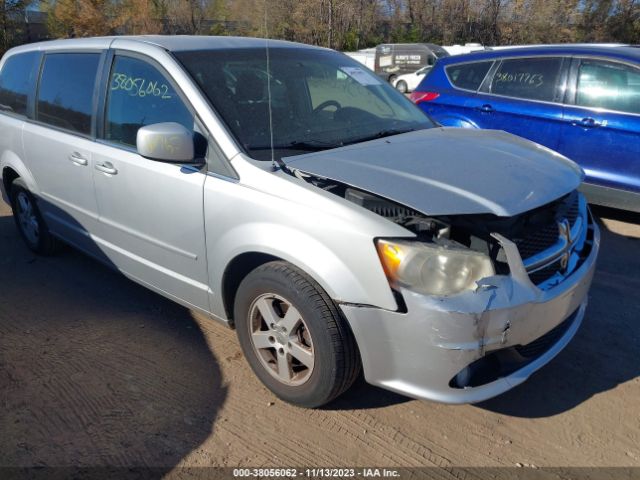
[{"x": 95, "y": 370}]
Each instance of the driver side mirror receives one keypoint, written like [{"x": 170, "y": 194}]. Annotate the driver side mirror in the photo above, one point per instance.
[{"x": 166, "y": 142}]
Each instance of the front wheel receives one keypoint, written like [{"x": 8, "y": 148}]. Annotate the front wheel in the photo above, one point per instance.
[
  {"x": 402, "y": 86},
  {"x": 293, "y": 336}
]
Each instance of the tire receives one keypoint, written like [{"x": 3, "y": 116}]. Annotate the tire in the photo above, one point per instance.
[
  {"x": 306, "y": 358},
  {"x": 402, "y": 86},
  {"x": 391, "y": 78},
  {"x": 29, "y": 221}
]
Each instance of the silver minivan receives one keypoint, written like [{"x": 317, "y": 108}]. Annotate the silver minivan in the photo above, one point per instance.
[{"x": 288, "y": 192}]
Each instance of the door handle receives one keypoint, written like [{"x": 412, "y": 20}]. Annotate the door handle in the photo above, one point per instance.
[
  {"x": 107, "y": 168},
  {"x": 587, "y": 122},
  {"x": 78, "y": 159},
  {"x": 486, "y": 108}
]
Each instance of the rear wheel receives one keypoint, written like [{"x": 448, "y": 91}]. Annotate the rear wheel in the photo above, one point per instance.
[
  {"x": 29, "y": 221},
  {"x": 402, "y": 86},
  {"x": 293, "y": 336}
]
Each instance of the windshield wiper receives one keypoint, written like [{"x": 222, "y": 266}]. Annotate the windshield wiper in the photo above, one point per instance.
[
  {"x": 315, "y": 145},
  {"x": 309, "y": 145},
  {"x": 382, "y": 134}
]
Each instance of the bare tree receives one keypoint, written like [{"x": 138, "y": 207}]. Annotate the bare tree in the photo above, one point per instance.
[
  {"x": 12, "y": 13},
  {"x": 348, "y": 24}
]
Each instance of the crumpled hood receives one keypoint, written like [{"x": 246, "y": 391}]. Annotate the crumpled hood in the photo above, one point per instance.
[{"x": 450, "y": 171}]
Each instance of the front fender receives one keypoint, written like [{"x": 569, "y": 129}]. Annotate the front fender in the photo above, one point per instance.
[
  {"x": 300, "y": 249},
  {"x": 328, "y": 238}
]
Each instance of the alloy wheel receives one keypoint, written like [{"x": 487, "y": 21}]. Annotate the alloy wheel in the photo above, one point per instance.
[{"x": 281, "y": 339}]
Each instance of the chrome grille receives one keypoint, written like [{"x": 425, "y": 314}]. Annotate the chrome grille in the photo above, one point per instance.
[
  {"x": 573, "y": 209},
  {"x": 547, "y": 251},
  {"x": 544, "y": 238},
  {"x": 545, "y": 273}
]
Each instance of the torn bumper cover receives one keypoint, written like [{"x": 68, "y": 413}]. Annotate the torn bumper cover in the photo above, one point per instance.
[{"x": 476, "y": 345}]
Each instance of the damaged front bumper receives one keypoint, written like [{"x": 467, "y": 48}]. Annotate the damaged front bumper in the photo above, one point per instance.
[{"x": 476, "y": 345}]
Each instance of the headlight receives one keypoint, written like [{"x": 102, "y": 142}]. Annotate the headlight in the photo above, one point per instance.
[{"x": 432, "y": 269}]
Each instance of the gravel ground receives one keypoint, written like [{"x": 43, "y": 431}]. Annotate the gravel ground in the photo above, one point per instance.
[{"x": 96, "y": 370}]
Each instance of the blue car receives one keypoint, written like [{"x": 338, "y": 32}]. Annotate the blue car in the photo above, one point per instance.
[{"x": 582, "y": 101}]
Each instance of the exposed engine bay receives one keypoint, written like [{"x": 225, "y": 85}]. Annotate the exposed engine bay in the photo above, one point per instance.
[{"x": 466, "y": 231}]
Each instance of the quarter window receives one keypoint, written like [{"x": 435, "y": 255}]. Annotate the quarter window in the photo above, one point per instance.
[
  {"x": 468, "y": 76},
  {"x": 15, "y": 81},
  {"x": 65, "y": 92},
  {"x": 528, "y": 78},
  {"x": 140, "y": 95},
  {"x": 608, "y": 85}
]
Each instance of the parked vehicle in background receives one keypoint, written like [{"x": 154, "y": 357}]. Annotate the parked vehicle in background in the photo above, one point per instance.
[
  {"x": 548, "y": 45},
  {"x": 302, "y": 200},
  {"x": 409, "y": 81},
  {"x": 366, "y": 57},
  {"x": 582, "y": 101},
  {"x": 393, "y": 59},
  {"x": 463, "y": 49}
]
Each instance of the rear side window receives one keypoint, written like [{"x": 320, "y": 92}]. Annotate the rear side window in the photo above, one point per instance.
[
  {"x": 608, "y": 85},
  {"x": 15, "y": 81},
  {"x": 528, "y": 78},
  {"x": 65, "y": 92},
  {"x": 468, "y": 76},
  {"x": 140, "y": 95}
]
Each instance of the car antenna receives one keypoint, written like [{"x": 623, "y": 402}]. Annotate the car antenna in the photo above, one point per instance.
[{"x": 274, "y": 161}]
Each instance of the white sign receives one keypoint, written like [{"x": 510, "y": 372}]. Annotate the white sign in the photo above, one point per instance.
[{"x": 386, "y": 60}]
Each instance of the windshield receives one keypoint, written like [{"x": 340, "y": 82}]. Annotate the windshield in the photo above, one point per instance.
[{"x": 320, "y": 99}]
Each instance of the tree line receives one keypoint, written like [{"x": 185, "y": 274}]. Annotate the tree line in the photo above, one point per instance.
[{"x": 339, "y": 24}]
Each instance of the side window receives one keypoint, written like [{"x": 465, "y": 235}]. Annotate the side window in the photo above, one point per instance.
[
  {"x": 65, "y": 91},
  {"x": 15, "y": 81},
  {"x": 609, "y": 85},
  {"x": 528, "y": 78},
  {"x": 140, "y": 95},
  {"x": 468, "y": 76}
]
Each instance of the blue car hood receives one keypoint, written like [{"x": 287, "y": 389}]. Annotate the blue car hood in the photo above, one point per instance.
[{"x": 450, "y": 171}]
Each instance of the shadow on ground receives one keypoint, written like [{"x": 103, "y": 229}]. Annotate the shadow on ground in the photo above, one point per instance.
[
  {"x": 94, "y": 369},
  {"x": 364, "y": 396},
  {"x": 604, "y": 352}
]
